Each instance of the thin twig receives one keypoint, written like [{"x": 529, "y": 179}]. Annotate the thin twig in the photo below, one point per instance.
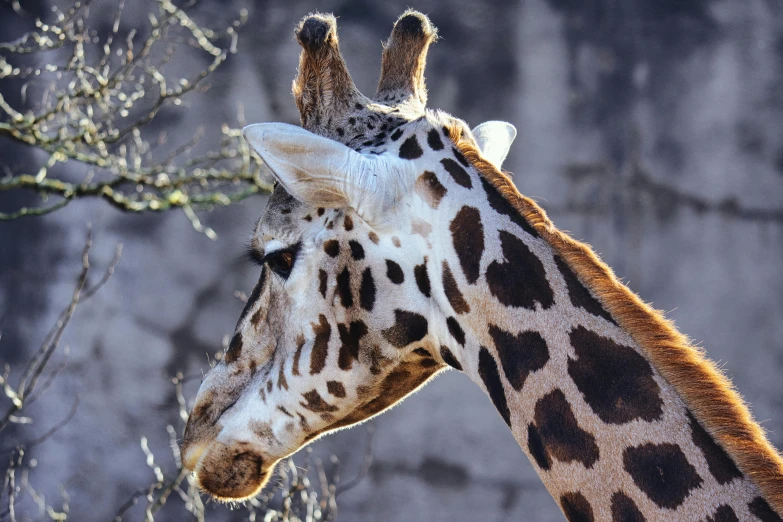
[{"x": 95, "y": 111}]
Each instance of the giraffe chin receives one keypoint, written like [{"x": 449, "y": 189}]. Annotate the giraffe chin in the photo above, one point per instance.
[{"x": 232, "y": 472}]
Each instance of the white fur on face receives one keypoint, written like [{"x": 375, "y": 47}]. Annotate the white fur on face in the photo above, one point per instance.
[{"x": 360, "y": 321}]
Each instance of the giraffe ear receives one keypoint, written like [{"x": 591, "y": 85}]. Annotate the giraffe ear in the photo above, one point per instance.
[
  {"x": 325, "y": 173},
  {"x": 494, "y": 138}
]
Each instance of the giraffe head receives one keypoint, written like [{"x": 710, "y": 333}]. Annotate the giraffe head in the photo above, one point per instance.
[{"x": 343, "y": 322}]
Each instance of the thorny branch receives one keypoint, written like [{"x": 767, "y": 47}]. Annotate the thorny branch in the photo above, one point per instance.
[{"x": 94, "y": 98}]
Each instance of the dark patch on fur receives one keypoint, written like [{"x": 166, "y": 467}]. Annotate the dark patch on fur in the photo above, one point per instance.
[
  {"x": 357, "y": 250},
  {"x": 721, "y": 466},
  {"x": 662, "y": 472},
  {"x": 322, "y": 332},
  {"x": 449, "y": 358},
  {"x": 254, "y": 295},
  {"x": 520, "y": 355},
  {"x": 332, "y": 247},
  {"x": 374, "y": 358},
  {"x": 344, "y": 288},
  {"x": 724, "y": 513},
  {"x": 616, "y": 381},
  {"x": 422, "y": 279},
  {"x": 624, "y": 509},
  {"x": 336, "y": 388},
  {"x": 579, "y": 294},
  {"x": 459, "y": 156},
  {"x": 394, "y": 272},
  {"x": 488, "y": 371},
  {"x": 456, "y": 330},
  {"x": 234, "y": 349},
  {"x": 350, "y": 336},
  {"x": 408, "y": 328},
  {"x": 433, "y": 140},
  {"x": 431, "y": 188},
  {"x": 255, "y": 320},
  {"x": 410, "y": 149},
  {"x": 300, "y": 342},
  {"x": 396, "y": 135},
  {"x": 560, "y": 434},
  {"x": 316, "y": 403},
  {"x": 367, "y": 290},
  {"x": 281, "y": 380},
  {"x": 576, "y": 508},
  {"x": 501, "y": 206},
  {"x": 348, "y": 223},
  {"x": 323, "y": 278},
  {"x": 467, "y": 234},
  {"x": 451, "y": 289},
  {"x": 521, "y": 280},
  {"x": 760, "y": 508},
  {"x": 460, "y": 176},
  {"x": 422, "y": 352},
  {"x": 373, "y": 237},
  {"x": 536, "y": 448}
]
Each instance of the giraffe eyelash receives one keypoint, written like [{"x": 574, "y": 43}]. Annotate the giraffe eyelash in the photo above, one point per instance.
[{"x": 254, "y": 256}]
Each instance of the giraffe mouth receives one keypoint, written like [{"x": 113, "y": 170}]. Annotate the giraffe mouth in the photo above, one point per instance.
[{"x": 228, "y": 472}]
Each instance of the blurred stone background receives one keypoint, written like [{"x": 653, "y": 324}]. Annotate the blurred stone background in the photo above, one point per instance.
[{"x": 651, "y": 129}]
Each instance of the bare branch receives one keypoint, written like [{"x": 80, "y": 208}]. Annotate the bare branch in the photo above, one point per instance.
[
  {"x": 23, "y": 393},
  {"x": 91, "y": 118}
]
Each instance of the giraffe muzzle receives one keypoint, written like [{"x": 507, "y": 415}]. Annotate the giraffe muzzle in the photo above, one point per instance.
[{"x": 228, "y": 471}]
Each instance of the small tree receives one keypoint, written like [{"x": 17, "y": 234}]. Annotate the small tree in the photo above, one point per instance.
[{"x": 87, "y": 101}]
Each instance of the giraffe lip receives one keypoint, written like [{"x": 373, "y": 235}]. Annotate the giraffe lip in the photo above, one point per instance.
[{"x": 193, "y": 454}]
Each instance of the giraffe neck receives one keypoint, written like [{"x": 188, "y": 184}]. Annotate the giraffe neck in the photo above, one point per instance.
[{"x": 609, "y": 436}]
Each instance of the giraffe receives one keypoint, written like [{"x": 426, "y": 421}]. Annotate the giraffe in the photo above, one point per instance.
[{"x": 394, "y": 247}]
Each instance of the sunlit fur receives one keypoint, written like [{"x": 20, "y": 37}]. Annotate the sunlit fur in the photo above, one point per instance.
[{"x": 702, "y": 385}]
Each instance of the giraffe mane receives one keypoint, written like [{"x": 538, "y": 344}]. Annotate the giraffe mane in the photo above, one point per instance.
[{"x": 705, "y": 389}]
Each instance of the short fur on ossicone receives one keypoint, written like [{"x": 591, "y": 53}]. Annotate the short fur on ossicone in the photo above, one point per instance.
[{"x": 708, "y": 393}]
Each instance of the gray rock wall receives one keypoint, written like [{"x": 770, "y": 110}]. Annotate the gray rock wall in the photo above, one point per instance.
[{"x": 650, "y": 129}]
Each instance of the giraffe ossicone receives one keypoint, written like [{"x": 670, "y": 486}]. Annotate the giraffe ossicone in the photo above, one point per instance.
[{"x": 392, "y": 248}]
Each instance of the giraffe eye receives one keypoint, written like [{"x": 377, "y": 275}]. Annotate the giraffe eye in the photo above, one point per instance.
[{"x": 281, "y": 262}]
